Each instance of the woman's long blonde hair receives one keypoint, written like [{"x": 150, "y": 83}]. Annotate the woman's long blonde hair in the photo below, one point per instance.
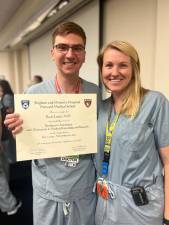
[{"x": 135, "y": 92}]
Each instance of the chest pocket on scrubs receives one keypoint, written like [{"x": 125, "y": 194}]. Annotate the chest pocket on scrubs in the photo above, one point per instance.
[{"x": 137, "y": 139}]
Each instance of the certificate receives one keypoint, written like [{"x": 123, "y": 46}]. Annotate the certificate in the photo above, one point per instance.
[{"x": 56, "y": 125}]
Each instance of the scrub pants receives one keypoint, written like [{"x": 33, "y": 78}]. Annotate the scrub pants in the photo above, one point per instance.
[
  {"x": 50, "y": 212},
  {"x": 7, "y": 199}
]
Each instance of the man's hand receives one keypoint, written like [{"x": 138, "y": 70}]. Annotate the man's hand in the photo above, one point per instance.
[{"x": 14, "y": 123}]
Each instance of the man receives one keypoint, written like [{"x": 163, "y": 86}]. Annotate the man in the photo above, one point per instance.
[
  {"x": 63, "y": 195},
  {"x": 35, "y": 80}
]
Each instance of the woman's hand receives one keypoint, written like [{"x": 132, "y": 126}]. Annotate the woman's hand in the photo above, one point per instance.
[{"x": 14, "y": 123}]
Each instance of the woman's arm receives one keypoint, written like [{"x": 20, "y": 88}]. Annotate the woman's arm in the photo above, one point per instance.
[{"x": 164, "y": 153}]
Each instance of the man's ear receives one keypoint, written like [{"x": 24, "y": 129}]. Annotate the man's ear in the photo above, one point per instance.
[
  {"x": 84, "y": 57},
  {"x": 52, "y": 54}
]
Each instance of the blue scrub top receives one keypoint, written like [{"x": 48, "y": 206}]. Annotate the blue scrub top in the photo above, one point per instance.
[
  {"x": 136, "y": 142},
  {"x": 134, "y": 161}
]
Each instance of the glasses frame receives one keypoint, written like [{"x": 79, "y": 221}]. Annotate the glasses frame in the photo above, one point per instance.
[{"x": 64, "y": 48}]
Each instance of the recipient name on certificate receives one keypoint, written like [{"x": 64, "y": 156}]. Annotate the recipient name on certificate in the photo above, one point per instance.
[{"x": 56, "y": 125}]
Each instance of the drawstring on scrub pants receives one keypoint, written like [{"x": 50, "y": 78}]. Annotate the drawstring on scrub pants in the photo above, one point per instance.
[{"x": 66, "y": 208}]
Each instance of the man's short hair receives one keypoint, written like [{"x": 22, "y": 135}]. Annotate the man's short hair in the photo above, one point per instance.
[
  {"x": 68, "y": 28},
  {"x": 38, "y": 78}
]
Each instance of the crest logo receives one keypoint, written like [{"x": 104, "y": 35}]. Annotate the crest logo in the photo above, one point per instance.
[
  {"x": 25, "y": 104},
  {"x": 87, "y": 102}
]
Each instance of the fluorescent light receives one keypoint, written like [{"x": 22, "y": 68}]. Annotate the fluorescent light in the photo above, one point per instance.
[{"x": 62, "y": 4}]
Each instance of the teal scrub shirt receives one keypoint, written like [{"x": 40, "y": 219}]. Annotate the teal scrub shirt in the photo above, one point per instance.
[{"x": 134, "y": 161}]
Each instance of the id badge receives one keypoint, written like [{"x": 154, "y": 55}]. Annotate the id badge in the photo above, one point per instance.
[
  {"x": 70, "y": 161},
  {"x": 102, "y": 188}
]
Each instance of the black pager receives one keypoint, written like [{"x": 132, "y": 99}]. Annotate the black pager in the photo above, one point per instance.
[{"x": 139, "y": 196}]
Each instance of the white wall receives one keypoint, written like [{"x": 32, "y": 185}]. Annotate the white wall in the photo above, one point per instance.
[
  {"x": 133, "y": 21},
  {"x": 4, "y": 65},
  {"x": 40, "y": 60},
  {"x": 161, "y": 77},
  {"x": 7, "y": 68},
  {"x": 14, "y": 65},
  {"x": 145, "y": 25}
]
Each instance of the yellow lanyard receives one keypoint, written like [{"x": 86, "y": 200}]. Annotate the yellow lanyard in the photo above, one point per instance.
[
  {"x": 107, "y": 147},
  {"x": 109, "y": 133}
]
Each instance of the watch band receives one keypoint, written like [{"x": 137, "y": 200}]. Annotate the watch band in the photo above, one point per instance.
[{"x": 165, "y": 221}]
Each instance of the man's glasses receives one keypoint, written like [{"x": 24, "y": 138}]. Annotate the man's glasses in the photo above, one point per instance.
[{"x": 64, "y": 48}]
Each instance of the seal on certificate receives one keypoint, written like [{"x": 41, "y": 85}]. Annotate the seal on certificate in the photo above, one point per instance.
[
  {"x": 25, "y": 104},
  {"x": 88, "y": 102}
]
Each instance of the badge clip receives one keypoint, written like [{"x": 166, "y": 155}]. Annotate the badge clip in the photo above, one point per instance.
[{"x": 102, "y": 189}]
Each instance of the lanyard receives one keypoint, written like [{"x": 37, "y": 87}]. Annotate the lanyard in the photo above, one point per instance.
[
  {"x": 110, "y": 128},
  {"x": 76, "y": 90},
  {"x": 69, "y": 161}
]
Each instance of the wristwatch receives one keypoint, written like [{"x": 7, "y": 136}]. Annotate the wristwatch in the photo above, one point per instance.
[{"x": 165, "y": 221}]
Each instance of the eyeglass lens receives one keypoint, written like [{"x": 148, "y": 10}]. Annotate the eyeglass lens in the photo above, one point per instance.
[{"x": 65, "y": 48}]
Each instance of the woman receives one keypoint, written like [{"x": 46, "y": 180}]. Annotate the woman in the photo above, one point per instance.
[
  {"x": 7, "y": 96},
  {"x": 7, "y": 106},
  {"x": 133, "y": 129},
  {"x": 8, "y": 202}
]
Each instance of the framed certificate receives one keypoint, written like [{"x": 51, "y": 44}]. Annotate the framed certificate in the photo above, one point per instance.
[{"x": 56, "y": 125}]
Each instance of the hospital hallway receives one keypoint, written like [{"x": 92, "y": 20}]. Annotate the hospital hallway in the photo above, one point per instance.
[{"x": 21, "y": 186}]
